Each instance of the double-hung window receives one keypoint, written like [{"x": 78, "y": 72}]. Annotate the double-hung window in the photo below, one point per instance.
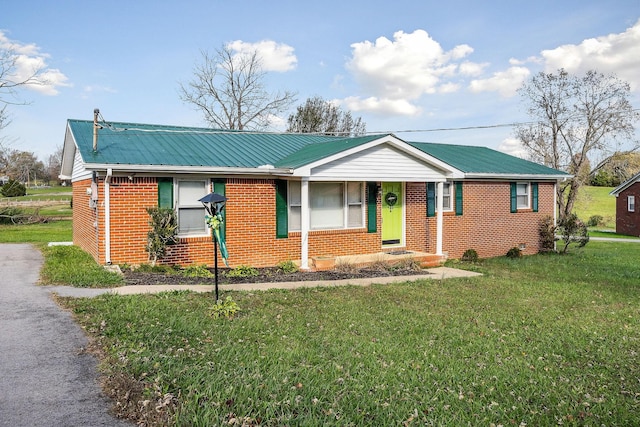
[
  {"x": 522, "y": 195},
  {"x": 631, "y": 203},
  {"x": 446, "y": 197},
  {"x": 332, "y": 205},
  {"x": 190, "y": 211},
  {"x": 295, "y": 206}
]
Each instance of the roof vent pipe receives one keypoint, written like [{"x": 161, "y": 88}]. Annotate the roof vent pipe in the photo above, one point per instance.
[{"x": 96, "y": 112}]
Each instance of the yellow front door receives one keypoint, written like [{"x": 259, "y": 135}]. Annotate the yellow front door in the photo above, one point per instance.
[{"x": 392, "y": 213}]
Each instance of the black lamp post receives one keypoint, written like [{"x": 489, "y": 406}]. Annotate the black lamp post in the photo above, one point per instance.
[{"x": 214, "y": 203}]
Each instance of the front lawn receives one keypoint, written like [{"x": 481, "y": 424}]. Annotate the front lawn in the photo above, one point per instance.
[{"x": 543, "y": 340}]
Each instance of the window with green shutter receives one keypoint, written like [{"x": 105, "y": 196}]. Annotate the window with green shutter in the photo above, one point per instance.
[
  {"x": 514, "y": 197},
  {"x": 372, "y": 207},
  {"x": 431, "y": 199},
  {"x": 459, "y": 198},
  {"x": 165, "y": 193},
  {"x": 282, "y": 219}
]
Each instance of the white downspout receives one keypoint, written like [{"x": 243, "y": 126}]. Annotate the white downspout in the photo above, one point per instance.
[
  {"x": 107, "y": 217},
  {"x": 304, "y": 224},
  {"x": 439, "y": 216}
]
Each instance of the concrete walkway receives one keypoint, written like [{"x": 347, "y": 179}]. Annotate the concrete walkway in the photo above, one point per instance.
[{"x": 437, "y": 273}]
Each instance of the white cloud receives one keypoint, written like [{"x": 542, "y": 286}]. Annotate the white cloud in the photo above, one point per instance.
[
  {"x": 274, "y": 56},
  {"x": 614, "y": 53},
  {"x": 30, "y": 61},
  {"x": 382, "y": 106},
  {"x": 399, "y": 71},
  {"x": 514, "y": 147},
  {"x": 504, "y": 82}
]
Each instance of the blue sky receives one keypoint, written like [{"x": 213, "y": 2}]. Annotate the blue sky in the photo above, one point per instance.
[{"x": 407, "y": 67}]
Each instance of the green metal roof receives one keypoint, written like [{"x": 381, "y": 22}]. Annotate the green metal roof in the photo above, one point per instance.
[
  {"x": 483, "y": 160},
  {"x": 141, "y": 144},
  {"x": 159, "y": 145},
  {"x": 314, "y": 152}
]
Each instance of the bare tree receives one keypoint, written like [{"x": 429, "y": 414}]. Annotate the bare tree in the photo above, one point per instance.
[
  {"x": 575, "y": 117},
  {"x": 10, "y": 81},
  {"x": 229, "y": 90},
  {"x": 320, "y": 116}
]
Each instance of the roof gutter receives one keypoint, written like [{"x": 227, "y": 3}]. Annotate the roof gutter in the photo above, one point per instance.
[
  {"x": 529, "y": 177},
  {"x": 262, "y": 170}
]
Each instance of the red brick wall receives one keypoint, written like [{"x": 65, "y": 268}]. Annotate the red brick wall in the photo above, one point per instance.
[
  {"x": 628, "y": 222},
  {"x": 85, "y": 219},
  {"x": 486, "y": 225}
]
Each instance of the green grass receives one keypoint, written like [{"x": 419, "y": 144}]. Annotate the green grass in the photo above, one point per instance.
[
  {"x": 70, "y": 265},
  {"x": 543, "y": 340},
  {"x": 42, "y": 233},
  {"x": 58, "y": 201},
  {"x": 596, "y": 201}
]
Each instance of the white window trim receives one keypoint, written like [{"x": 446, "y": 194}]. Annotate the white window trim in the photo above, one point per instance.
[
  {"x": 451, "y": 197},
  {"x": 528, "y": 194},
  {"x": 196, "y": 204},
  {"x": 345, "y": 206},
  {"x": 291, "y": 205},
  {"x": 631, "y": 203}
]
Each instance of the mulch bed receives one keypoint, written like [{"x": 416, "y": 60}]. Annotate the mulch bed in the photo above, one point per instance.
[{"x": 265, "y": 275}]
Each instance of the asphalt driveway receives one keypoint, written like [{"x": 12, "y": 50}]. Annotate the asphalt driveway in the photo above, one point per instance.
[{"x": 45, "y": 378}]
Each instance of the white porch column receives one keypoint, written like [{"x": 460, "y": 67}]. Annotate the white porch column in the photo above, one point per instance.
[
  {"x": 439, "y": 216},
  {"x": 305, "y": 216}
]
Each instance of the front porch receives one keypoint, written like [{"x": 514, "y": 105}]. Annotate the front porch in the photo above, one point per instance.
[{"x": 392, "y": 257}]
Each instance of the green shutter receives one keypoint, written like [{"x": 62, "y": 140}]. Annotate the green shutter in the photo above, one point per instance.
[
  {"x": 372, "y": 207},
  {"x": 219, "y": 187},
  {"x": 431, "y": 199},
  {"x": 459, "y": 198},
  {"x": 534, "y": 196},
  {"x": 165, "y": 193},
  {"x": 282, "y": 219},
  {"x": 514, "y": 197}
]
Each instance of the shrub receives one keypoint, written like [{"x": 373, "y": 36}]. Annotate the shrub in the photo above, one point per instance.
[
  {"x": 243, "y": 271},
  {"x": 287, "y": 267},
  {"x": 227, "y": 308},
  {"x": 13, "y": 188},
  {"x": 514, "y": 253},
  {"x": 547, "y": 232},
  {"x": 595, "y": 220},
  {"x": 11, "y": 215},
  {"x": 164, "y": 230},
  {"x": 572, "y": 230},
  {"x": 196, "y": 271},
  {"x": 470, "y": 255}
]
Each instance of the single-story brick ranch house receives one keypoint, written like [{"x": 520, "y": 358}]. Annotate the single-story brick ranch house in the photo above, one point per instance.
[
  {"x": 298, "y": 196},
  {"x": 627, "y": 209}
]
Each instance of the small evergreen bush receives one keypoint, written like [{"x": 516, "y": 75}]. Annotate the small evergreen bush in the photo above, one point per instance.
[
  {"x": 13, "y": 188},
  {"x": 595, "y": 220},
  {"x": 514, "y": 253},
  {"x": 547, "y": 232},
  {"x": 470, "y": 255}
]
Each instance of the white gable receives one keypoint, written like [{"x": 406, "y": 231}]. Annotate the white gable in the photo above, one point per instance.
[{"x": 381, "y": 162}]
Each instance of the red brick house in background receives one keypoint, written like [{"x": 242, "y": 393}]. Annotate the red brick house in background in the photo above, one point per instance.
[
  {"x": 627, "y": 206},
  {"x": 298, "y": 196}
]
